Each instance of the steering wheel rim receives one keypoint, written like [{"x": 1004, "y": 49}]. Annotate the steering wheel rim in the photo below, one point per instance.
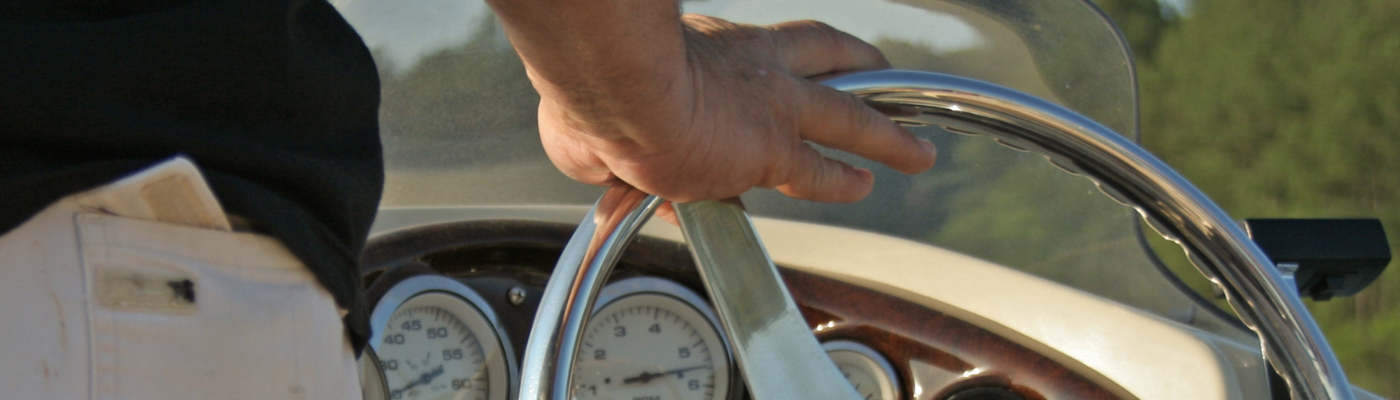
[
  {"x": 1122, "y": 169},
  {"x": 1290, "y": 338}
]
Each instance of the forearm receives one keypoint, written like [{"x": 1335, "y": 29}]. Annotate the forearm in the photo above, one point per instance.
[{"x": 605, "y": 59}]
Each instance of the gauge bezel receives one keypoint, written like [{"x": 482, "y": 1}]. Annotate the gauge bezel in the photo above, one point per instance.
[
  {"x": 373, "y": 384},
  {"x": 408, "y": 289},
  {"x": 870, "y": 356},
  {"x": 623, "y": 288}
]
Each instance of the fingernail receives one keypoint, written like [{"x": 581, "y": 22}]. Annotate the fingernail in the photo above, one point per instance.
[{"x": 928, "y": 146}]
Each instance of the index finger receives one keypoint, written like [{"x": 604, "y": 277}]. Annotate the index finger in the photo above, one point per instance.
[{"x": 842, "y": 121}]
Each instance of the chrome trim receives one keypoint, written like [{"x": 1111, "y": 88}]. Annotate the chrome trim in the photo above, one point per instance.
[
  {"x": 875, "y": 357},
  {"x": 1290, "y": 337},
  {"x": 411, "y": 287},
  {"x": 568, "y": 297},
  {"x": 773, "y": 346}
]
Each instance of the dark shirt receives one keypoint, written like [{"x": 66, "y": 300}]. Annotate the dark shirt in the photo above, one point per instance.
[{"x": 275, "y": 100}]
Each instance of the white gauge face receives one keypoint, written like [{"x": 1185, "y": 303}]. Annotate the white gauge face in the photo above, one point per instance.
[
  {"x": 651, "y": 346},
  {"x": 865, "y": 369},
  {"x": 436, "y": 346},
  {"x": 866, "y": 384}
]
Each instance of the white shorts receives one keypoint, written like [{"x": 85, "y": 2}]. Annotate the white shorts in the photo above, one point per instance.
[{"x": 139, "y": 290}]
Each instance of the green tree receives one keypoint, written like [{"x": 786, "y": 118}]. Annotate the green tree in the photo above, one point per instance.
[{"x": 1290, "y": 109}]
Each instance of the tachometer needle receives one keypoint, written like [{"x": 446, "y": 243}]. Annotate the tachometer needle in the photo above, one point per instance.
[
  {"x": 422, "y": 380},
  {"x": 648, "y": 376}
]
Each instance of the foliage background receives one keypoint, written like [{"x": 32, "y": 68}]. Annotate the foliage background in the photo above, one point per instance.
[{"x": 1285, "y": 108}]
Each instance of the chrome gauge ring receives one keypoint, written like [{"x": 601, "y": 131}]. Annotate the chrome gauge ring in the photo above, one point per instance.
[
  {"x": 437, "y": 339},
  {"x": 651, "y": 338}
]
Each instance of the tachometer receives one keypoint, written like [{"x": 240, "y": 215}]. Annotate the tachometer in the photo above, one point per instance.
[
  {"x": 436, "y": 339},
  {"x": 651, "y": 339}
]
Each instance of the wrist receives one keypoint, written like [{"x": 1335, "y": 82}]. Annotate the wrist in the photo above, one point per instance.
[{"x": 598, "y": 60}]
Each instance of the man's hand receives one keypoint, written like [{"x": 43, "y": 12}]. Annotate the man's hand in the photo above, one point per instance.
[{"x": 700, "y": 108}]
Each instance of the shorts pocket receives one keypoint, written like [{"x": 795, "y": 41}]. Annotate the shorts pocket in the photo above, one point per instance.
[{"x": 180, "y": 312}]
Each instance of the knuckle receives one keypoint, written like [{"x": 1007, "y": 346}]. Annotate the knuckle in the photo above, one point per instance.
[
  {"x": 831, "y": 37},
  {"x": 813, "y": 24},
  {"x": 701, "y": 22},
  {"x": 813, "y": 32},
  {"x": 866, "y": 119},
  {"x": 800, "y": 192},
  {"x": 805, "y": 181},
  {"x": 859, "y": 121}
]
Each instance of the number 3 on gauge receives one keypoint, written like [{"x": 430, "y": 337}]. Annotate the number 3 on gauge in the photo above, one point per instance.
[{"x": 651, "y": 345}]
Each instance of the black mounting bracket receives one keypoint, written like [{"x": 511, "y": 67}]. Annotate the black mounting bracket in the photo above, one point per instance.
[{"x": 1326, "y": 257}]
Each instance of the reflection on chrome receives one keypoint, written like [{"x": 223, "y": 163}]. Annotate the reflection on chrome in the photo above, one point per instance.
[
  {"x": 573, "y": 287},
  {"x": 775, "y": 349},
  {"x": 1290, "y": 337}
]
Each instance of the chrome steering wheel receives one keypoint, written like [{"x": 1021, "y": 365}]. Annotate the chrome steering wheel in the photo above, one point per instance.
[{"x": 777, "y": 353}]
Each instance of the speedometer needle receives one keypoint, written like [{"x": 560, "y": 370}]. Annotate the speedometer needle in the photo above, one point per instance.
[
  {"x": 648, "y": 376},
  {"x": 422, "y": 380}
]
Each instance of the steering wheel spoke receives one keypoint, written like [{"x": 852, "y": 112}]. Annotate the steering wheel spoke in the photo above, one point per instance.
[{"x": 776, "y": 351}]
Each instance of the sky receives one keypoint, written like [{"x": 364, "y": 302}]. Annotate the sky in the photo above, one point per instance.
[
  {"x": 1178, "y": 7},
  {"x": 405, "y": 32}
]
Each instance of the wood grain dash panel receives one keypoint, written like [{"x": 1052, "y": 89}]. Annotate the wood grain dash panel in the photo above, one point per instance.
[{"x": 946, "y": 353}]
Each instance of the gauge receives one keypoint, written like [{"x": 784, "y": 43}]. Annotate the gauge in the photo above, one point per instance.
[
  {"x": 651, "y": 339},
  {"x": 866, "y": 369},
  {"x": 436, "y": 339}
]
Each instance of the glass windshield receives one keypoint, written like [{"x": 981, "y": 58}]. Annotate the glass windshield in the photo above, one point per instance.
[{"x": 458, "y": 126}]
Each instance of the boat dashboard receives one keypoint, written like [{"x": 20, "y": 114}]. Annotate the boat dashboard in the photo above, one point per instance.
[{"x": 453, "y": 303}]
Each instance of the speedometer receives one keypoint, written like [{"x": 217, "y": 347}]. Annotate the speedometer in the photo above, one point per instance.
[
  {"x": 651, "y": 339},
  {"x": 436, "y": 340}
]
